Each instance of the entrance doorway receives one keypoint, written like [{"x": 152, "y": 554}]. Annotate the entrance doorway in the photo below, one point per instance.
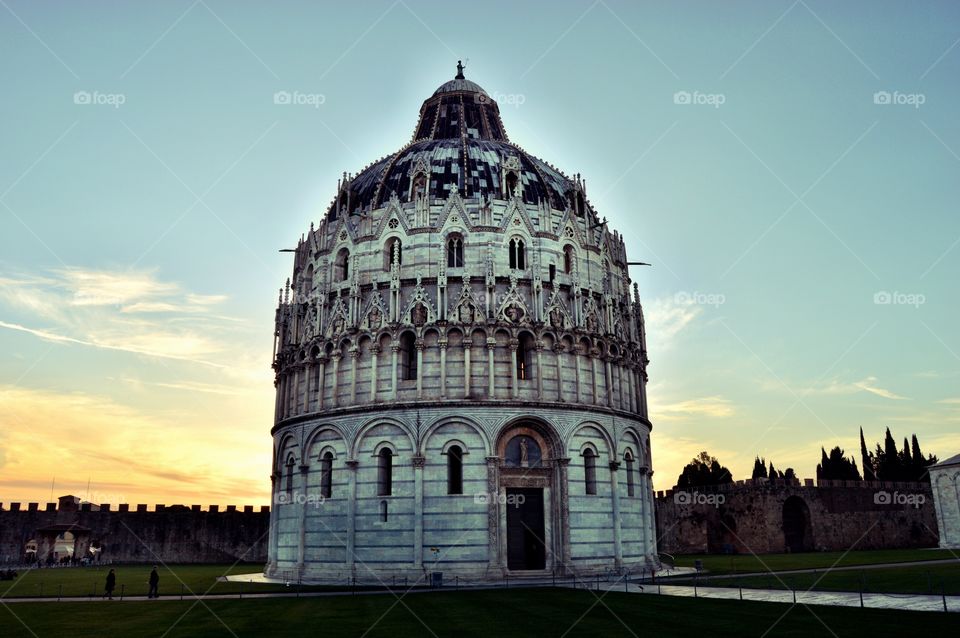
[
  {"x": 797, "y": 530},
  {"x": 525, "y": 529}
]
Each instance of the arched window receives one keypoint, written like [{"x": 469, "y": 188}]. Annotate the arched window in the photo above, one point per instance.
[
  {"x": 628, "y": 460},
  {"x": 383, "y": 512},
  {"x": 454, "y": 470},
  {"x": 455, "y": 251},
  {"x": 385, "y": 473},
  {"x": 388, "y": 252},
  {"x": 569, "y": 258},
  {"x": 408, "y": 356},
  {"x": 525, "y": 349},
  {"x": 341, "y": 267},
  {"x": 289, "y": 486},
  {"x": 590, "y": 471},
  {"x": 326, "y": 475},
  {"x": 518, "y": 254}
]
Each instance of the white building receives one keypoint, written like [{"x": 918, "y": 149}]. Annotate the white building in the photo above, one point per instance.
[
  {"x": 460, "y": 370},
  {"x": 945, "y": 481}
]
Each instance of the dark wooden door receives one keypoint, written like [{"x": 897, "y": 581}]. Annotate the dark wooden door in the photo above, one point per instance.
[{"x": 525, "y": 533}]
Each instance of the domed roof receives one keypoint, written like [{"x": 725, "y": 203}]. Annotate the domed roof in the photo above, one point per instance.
[{"x": 461, "y": 142}]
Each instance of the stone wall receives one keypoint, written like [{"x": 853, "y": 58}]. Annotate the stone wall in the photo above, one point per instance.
[
  {"x": 784, "y": 516},
  {"x": 126, "y": 534}
]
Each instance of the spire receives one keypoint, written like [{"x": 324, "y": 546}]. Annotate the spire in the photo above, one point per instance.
[{"x": 459, "y": 75}]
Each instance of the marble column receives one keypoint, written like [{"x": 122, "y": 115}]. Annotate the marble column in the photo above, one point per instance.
[
  {"x": 617, "y": 529},
  {"x": 351, "y": 512},
  {"x": 274, "y": 522},
  {"x": 515, "y": 382},
  {"x": 443, "y": 367},
  {"x": 302, "y": 519},
  {"x": 419, "y": 346},
  {"x": 321, "y": 381},
  {"x": 395, "y": 348},
  {"x": 418, "y": 463},
  {"x": 467, "y": 347},
  {"x": 337, "y": 356},
  {"x": 539, "y": 369},
  {"x": 375, "y": 352},
  {"x": 558, "y": 354},
  {"x": 491, "y": 380},
  {"x": 493, "y": 512},
  {"x": 354, "y": 373},
  {"x": 563, "y": 478}
]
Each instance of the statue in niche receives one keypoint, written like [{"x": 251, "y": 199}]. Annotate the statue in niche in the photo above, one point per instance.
[
  {"x": 465, "y": 314},
  {"x": 419, "y": 315},
  {"x": 513, "y": 313},
  {"x": 339, "y": 324},
  {"x": 592, "y": 322},
  {"x": 375, "y": 318},
  {"x": 556, "y": 318},
  {"x": 524, "y": 453}
]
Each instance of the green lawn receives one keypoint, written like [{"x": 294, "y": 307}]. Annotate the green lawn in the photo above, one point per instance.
[
  {"x": 918, "y": 579},
  {"x": 741, "y": 563},
  {"x": 82, "y": 581},
  {"x": 498, "y": 613}
]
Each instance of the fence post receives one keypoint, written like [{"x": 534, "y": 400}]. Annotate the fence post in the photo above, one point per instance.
[
  {"x": 741, "y": 593},
  {"x": 943, "y": 593},
  {"x": 694, "y": 588},
  {"x": 794, "y": 596}
]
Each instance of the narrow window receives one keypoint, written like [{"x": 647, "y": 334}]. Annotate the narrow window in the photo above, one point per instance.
[
  {"x": 518, "y": 257},
  {"x": 341, "y": 268},
  {"x": 385, "y": 473},
  {"x": 408, "y": 356},
  {"x": 290, "y": 476},
  {"x": 568, "y": 259},
  {"x": 326, "y": 475},
  {"x": 553, "y": 272},
  {"x": 628, "y": 459},
  {"x": 455, "y": 252},
  {"x": 455, "y": 470},
  {"x": 383, "y": 511},
  {"x": 388, "y": 249},
  {"x": 590, "y": 471},
  {"x": 525, "y": 358}
]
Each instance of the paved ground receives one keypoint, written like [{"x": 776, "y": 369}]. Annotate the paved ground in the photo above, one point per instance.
[
  {"x": 906, "y": 602},
  {"x": 821, "y": 570}
]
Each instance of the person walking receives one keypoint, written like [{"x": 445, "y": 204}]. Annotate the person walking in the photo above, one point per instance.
[
  {"x": 110, "y": 585},
  {"x": 154, "y": 584}
]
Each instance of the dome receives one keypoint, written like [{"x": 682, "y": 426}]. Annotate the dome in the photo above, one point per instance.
[{"x": 460, "y": 139}]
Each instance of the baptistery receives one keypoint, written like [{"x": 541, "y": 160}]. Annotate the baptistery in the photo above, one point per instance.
[{"x": 461, "y": 370}]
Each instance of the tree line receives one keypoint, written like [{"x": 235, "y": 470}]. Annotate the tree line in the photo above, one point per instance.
[{"x": 885, "y": 463}]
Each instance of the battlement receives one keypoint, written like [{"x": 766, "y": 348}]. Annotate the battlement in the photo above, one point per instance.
[
  {"x": 71, "y": 530},
  {"x": 805, "y": 484}
]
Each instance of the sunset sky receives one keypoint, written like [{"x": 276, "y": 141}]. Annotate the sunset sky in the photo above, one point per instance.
[{"x": 800, "y": 210}]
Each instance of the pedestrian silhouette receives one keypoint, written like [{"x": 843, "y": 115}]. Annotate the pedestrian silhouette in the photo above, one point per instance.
[
  {"x": 154, "y": 584},
  {"x": 110, "y": 585}
]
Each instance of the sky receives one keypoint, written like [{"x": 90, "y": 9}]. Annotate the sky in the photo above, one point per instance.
[{"x": 789, "y": 169}]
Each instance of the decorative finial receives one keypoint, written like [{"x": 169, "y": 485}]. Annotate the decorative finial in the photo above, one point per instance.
[{"x": 459, "y": 75}]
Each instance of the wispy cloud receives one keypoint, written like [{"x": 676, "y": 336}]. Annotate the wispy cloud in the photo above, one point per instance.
[
  {"x": 843, "y": 387},
  {"x": 126, "y": 310},
  {"x": 665, "y": 318},
  {"x": 711, "y": 407}
]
